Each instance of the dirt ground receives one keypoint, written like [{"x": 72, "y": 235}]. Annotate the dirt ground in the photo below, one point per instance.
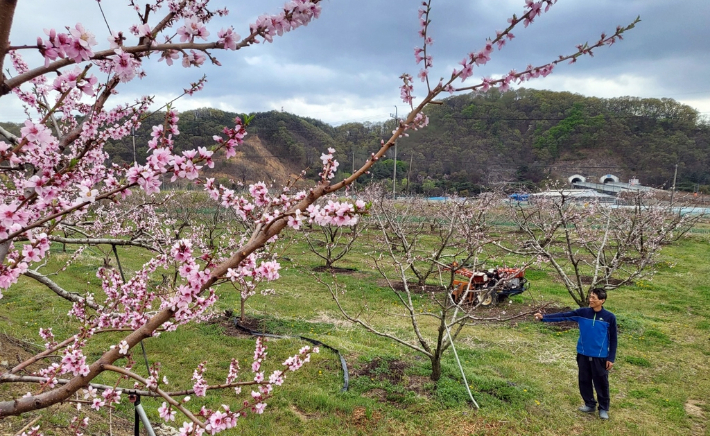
[{"x": 335, "y": 270}]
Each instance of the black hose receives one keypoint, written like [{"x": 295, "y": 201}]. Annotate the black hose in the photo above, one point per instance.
[
  {"x": 346, "y": 379},
  {"x": 123, "y": 278},
  {"x": 343, "y": 364}
]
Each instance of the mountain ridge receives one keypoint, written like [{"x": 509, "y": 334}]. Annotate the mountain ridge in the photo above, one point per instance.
[{"x": 473, "y": 141}]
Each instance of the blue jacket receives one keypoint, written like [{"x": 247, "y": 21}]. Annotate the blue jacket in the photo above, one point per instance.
[{"x": 597, "y": 331}]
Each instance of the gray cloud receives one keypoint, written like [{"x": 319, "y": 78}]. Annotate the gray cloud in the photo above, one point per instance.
[{"x": 345, "y": 66}]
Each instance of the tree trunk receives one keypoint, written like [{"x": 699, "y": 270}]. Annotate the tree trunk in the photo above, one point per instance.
[
  {"x": 435, "y": 367},
  {"x": 242, "y": 315}
]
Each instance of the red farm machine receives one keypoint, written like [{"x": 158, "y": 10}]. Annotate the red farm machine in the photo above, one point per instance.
[{"x": 487, "y": 287}]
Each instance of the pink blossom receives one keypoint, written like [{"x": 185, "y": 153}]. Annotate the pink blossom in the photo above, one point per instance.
[
  {"x": 143, "y": 31},
  {"x": 10, "y": 216},
  {"x": 168, "y": 56},
  {"x": 124, "y": 65},
  {"x": 166, "y": 412},
  {"x": 466, "y": 71},
  {"x": 89, "y": 392},
  {"x": 116, "y": 39},
  {"x": 295, "y": 220},
  {"x": 418, "y": 54},
  {"x": 112, "y": 396},
  {"x": 186, "y": 429},
  {"x": 31, "y": 254},
  {"x": 192, "y": 28},
  {"x": 80, "y": 47},
  {"x": 87, "y": 194},
  {"x": 228, "y": 38},
  {"x": 217, "y": 423},
  {"x": 193, "y": 58},
  {"x": 75, "y": 362},
  {"x": 182, "y": 250},
  {"x": 36, "y": 133}
]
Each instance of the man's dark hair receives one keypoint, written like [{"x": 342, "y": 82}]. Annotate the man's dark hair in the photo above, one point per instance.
[{"x": 599, "y": 292}]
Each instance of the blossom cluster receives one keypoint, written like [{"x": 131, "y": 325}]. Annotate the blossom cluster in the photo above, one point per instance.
[
  {"x": 127, "y": 304},
  {"x": 189, "y": 301},
  {"x": 420, "y": 53},
  {"x": 65, "y": 177},
  {"x": 248, "y": 275},
  {"x": 66, "y": 182},
  {"x": 75, "y": 45},
  {"x": 336, "y": 213},
  {"x": 163, "y": 160},
  {"x": 330, "y": 165},
  {"x": 265, "y": 207},
  {"x": 475, "y": 58},
  {"x": 18, "y": 262},
  {"x": 295, "y": 14},
  {"x": 226, "y": 418}
]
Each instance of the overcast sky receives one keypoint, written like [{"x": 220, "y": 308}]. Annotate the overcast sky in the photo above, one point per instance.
[{"x": 344, "y": 67}]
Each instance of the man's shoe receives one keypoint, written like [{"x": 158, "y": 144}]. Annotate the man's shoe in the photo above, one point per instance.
[
  {"x": 586, "y": 409},
  {"x": 603, "y": 414}
]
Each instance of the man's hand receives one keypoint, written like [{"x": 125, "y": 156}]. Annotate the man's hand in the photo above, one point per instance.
[
  {"x": 609, "y": 365},
  {"x": 538, "y": 316}
]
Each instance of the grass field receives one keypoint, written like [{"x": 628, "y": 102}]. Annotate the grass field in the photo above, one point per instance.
[{"x": 522, "y": 373}]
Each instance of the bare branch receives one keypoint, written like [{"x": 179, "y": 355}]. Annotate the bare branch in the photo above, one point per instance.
[
  {"x": 71, "y": 296},
  {"x": 11, "y": 378},
  {"x": 10, "y": 137},
  {"x": 104, "y": 241}
]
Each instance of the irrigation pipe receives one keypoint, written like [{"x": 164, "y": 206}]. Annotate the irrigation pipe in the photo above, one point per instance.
[
  {"x": 451, "y": 341},
  {"x": 465, "y": 382},
  {"x": 140, "y": 416},
  {"x": 343, "y": 364}
]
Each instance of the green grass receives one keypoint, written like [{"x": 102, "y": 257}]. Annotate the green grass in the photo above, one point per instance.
[{"x": 523, "y": 375}]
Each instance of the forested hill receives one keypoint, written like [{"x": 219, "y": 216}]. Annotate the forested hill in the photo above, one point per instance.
[
  {"x": 529, "y": 134},
  {"x": 472, "y": 141}
]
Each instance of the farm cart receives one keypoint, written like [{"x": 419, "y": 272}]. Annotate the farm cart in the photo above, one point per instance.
[{"x": 489, "y": 287}]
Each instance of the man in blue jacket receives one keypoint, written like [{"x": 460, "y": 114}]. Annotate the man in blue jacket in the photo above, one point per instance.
[{"x": 596, "y": 349}]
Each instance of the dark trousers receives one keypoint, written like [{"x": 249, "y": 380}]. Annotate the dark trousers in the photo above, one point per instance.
[{"x": 592, "y": 372}]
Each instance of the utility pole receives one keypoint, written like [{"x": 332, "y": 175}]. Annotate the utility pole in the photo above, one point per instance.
[
  {"x": 352, "y": 149},
  {"x": 409, "y": 174},
  {"x": 674, "y": 178},
  {"x": 394, "y": 173},
  {"x": 133, "y": 133}
]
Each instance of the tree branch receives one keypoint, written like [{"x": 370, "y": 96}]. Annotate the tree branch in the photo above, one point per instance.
[
  {"x": 11, "y": 378},
  {"x": 71, "y": 296},
  {"x": 7, "y": 13},
  {"x": 104, "y": 241},
  {"x": 157, "y": 390}
]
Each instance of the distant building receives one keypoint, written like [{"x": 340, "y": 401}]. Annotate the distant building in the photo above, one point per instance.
[{"x": 608, "y": 184}]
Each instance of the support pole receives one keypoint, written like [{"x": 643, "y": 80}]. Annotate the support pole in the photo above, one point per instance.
[
  {"x": 394, "y": 173},
  {"x": 674, "y": 178},
  {"x": 140, "y": 414}
]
